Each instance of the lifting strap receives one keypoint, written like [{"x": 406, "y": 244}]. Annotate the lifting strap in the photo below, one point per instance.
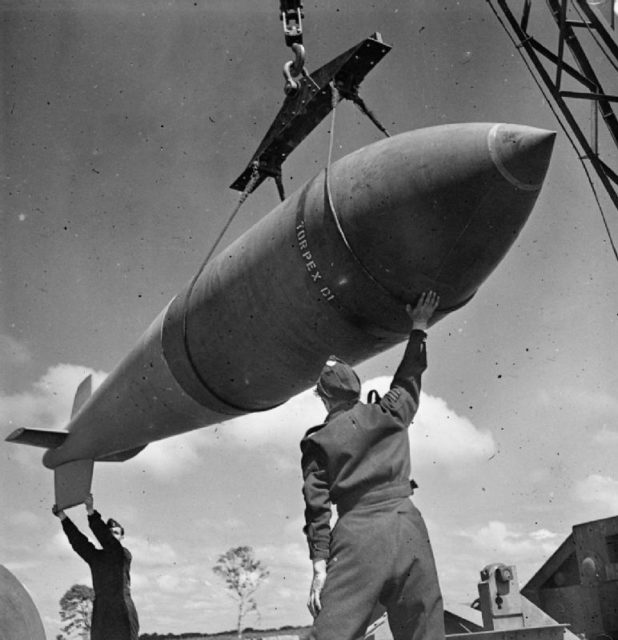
[{"x": 244, "y": 195}]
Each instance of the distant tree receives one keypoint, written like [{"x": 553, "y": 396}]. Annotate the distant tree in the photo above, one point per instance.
[
  {"x": 243, "y": 574},
  {"x": 76, "y": 612}
]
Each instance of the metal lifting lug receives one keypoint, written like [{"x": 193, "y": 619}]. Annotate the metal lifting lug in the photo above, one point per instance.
[
  {"x": 291, "y": 17},
  {"x": 294, "y": 69},
  {"x": 309, "y": 99},
  {"x": 290, "y": 87}
]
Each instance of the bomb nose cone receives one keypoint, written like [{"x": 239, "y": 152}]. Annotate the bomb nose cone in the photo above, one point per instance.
[
  {"x": 521, "y": 154},
  {"x": 438, "y": 208}
]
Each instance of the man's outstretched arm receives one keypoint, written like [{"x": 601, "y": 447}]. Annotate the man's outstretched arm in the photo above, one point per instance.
[
  {"x": 414, "y": 360},
  {"x": 407, "y": 378},
  {"x": 80, "y": 543}
]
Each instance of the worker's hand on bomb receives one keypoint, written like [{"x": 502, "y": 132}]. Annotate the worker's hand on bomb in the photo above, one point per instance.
[
  {"x": 423, "y": 310},
  {"x": 89, "y": 502},
  {"x": 317, "y": 584},
  {"x": 59, "y": 513}
]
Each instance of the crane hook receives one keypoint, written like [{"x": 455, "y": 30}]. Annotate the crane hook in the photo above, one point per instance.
[{"x": 293, "y": 69}]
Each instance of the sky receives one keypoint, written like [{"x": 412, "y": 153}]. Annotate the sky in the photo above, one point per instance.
[{"x": 123, "y": 123}]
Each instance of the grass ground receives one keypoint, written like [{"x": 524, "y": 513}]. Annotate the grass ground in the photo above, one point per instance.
[{"x": 285, "y": 633}]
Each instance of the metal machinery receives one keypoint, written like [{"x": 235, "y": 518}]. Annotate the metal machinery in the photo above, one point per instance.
[
  {"x": 578, "y": 584},
  {"x": 505, "y": 614},
  {"x": 573, "y": 595},
  {"x": 307, "y": 105},
  {"x": 309, "y": 98},
  {"x": 499, "y": 598},
  {"x": 585, "y": 39}
]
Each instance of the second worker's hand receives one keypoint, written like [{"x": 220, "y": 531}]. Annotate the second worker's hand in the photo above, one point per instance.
[
  {"x": 59, "y": 513},
  {"x": 424, "y": 309},
  {"x": 89, "y": 503},
  {"x": 317, "y": 584}
]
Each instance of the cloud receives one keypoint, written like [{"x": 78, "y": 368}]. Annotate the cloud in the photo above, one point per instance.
[
  {"x": 291, "y": 557},
  {"x": 601, "y": 492},
  {"x": 175, "y": 583},
  {"x": 496, "y": 537},
  {"x": 181, "y": 586},
  {"x": 21, "y": 565},
  {"x": 172, "y": 457},
  {"x": 493, "y": 542},
  {"x": 57, "y": 546},
  {"x": 461, "y": 554},
  {"x": 280, "y": 429},
  {"x": 24, "y": 519},
  {"x": 48, "y": 404},
  {"x": 139, "y": 582},
  {"x": 543, "y": 534},
  {"x": 439, "y": 435},
  {"x": 150, "y": 553}
]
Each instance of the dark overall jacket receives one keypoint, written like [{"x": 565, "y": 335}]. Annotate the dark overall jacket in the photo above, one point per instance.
[
  {"x": 379, "y": 551},
  {"x": 114, "y": 616},
  {"x": 362, "y": 450}
]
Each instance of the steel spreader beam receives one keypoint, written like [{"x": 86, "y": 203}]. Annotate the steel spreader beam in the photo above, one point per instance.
[{"x": 303, "y": 111}]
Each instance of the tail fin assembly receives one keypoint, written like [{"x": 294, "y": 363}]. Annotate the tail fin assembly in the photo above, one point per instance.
[
  {"x": 38, "y": 437},
  {"x": 72, "y": 480},
  {"x": 52, "y": 439},
  {"x": 83, "y": 393}
]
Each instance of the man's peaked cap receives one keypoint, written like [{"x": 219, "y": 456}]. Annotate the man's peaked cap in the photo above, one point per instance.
[{"x": 338, "y": 381}]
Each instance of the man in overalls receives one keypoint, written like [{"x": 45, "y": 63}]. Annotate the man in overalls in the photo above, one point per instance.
[{"x": 359, "y": 460}]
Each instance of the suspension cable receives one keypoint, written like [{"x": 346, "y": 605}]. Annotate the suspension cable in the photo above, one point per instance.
[{"x": 185, "y": 312}]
